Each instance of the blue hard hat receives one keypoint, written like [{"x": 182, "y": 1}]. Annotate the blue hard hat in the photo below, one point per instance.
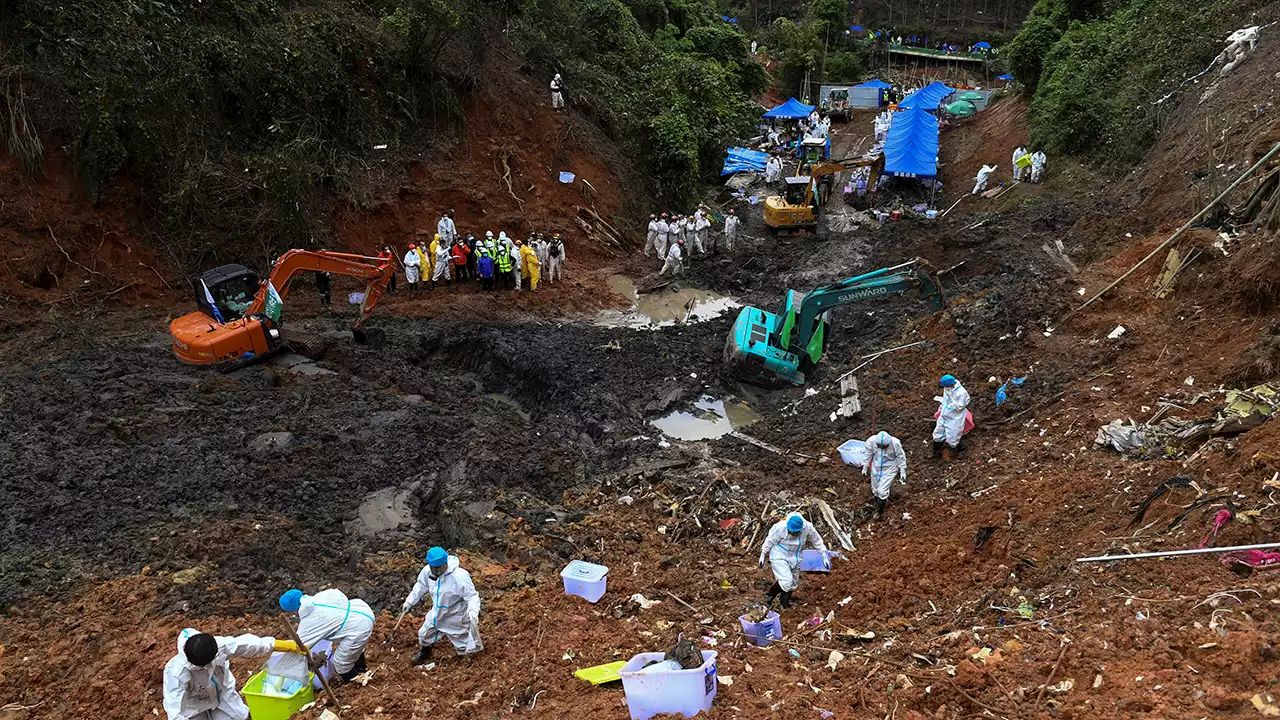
[
  {"x": 291, "y": 600},
  {"x": 947, "y": 381},
  {"x": 795, "y": 523},
  {"x": 437, "y": 556}
]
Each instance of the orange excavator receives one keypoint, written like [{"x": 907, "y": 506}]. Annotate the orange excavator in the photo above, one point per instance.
[{"x": 239, "y": 314}]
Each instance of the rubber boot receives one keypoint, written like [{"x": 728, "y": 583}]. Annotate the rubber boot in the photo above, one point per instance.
[
  {"x": 786, "y": 599},
  {"x": 880, "y": 507},
  {"x": 424, "y": 654},
  {"x": 937, "y": 449},
  {"x": 958, "y": 450},
  {"x": 772, "y": 596}
]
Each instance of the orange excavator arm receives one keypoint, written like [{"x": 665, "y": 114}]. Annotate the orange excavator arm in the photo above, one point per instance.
[
  {"x": 821, "y": 170},
  {"x": 200, "y": 340}
]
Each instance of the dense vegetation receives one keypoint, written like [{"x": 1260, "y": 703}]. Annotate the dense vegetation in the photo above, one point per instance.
[
  {"x": 243, "y": 119},
  {"x": 1103, "y": 71}
]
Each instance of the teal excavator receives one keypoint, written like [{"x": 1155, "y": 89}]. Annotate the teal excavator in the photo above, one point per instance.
[{"x": 771, "y": 349}]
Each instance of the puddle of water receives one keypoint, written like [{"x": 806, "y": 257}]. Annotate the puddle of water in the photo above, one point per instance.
[
  {"x": 511, "y": 403},
  {"x": 383, "y": 510},
  {"x": 662, "y": 308},
  {"x": 711, "y": 418}
]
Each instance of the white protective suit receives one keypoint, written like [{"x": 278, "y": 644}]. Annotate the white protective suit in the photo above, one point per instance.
[
  {"x": 772, "y": 170},
  {"x": 346, "y": 624},
  {"x": 782, "y": 551},
  {"x": 444, "y": 261},
  {"x": 516, "y": 262},
  {"x": 651, "y": 241},
  {"x": 1017, "y": 169},
  {"x": 673, "y": 261},
  {"x": 192, "y": 692},
  {"x": 557, "y": 97},
  {"x": 411, "y": 267},
  {"x": 984, "y": 175},
  {"x": 953, "y": 403},
  {"x": 1037, "y": 166},
  {"x": 448, "y": 231},
  {"x": 455, "y": 608},
  {"x": 884, "y": 463},
  {"x": 555, "y": 263},
  {"x": 664, "y": 237},
  {"x": 700, "y": 225},
  {"x": 730, "y": 231},
  {"x": 540, "y": 249}
]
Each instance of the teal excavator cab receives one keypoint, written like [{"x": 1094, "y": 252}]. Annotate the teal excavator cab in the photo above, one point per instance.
[{"x": 779, "y": 348}]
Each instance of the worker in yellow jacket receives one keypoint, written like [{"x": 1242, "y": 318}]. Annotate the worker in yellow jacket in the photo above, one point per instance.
[
  {"x": 425, "y": 259},
  {"x": 529, "y": 265}
]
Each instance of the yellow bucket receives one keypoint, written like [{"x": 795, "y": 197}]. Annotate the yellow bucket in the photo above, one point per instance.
[{"x": 264, "y": 706}]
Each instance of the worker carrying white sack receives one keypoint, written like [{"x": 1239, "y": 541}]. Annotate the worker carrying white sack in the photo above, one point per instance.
[
  {"x": 953, "y": 406},
  {"x": 455, "y": 606},
  {"x": 885, "y": 461},
  {"x": 782, "y": 549},
  {"x": 330, "y": 615},
  {"x": 198, "y": 683}
]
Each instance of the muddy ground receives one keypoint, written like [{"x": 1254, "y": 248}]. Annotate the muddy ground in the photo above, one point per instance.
[{"x": 142, "y": 496}]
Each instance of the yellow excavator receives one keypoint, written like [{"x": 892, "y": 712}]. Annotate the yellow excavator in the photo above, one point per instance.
[{"x": 796, "y": 211}]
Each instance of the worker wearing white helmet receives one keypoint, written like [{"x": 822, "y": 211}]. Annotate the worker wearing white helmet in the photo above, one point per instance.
[
  {"x": 730, "y": 230},
  {"x": 885, "y": 461},
  {"x": 557, "y": 94}
]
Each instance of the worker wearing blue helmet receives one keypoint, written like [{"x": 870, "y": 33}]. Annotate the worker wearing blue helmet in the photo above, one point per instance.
[
  {"x": 782, "y": 549},
  {"x": 953, "y": 405},
  {"x": 347, "y": 623},
  {"x": 455, "y": 606}
]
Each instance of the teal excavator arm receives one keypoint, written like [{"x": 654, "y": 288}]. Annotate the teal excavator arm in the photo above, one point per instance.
[{"x": 803, "y": 332}]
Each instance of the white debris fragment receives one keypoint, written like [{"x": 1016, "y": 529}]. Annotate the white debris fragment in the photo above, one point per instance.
[{"x": 1116, "y": 333}]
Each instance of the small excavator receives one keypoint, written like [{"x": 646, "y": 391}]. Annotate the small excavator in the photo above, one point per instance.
[
  {"x": 796, "y": 212},
  {"x": 768, "y": 349},
  {"x": 233, "y": 324}
]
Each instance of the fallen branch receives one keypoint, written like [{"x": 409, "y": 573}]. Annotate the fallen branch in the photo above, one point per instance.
[
  {"x": 1052, "y": 672},
  {"x": 1176, "y": 553},
  {"x": 875, "y": 355},
  {"x": 505, "y": 177},
  {"x": 677, "y": 599},
  {"x": 68, "y": 255}
]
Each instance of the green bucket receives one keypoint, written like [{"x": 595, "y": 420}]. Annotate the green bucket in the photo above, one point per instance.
[{"x": 268, "y": 706}]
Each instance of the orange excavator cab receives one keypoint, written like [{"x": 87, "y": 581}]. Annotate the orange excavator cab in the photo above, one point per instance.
[{"x": 232, "y": 323}]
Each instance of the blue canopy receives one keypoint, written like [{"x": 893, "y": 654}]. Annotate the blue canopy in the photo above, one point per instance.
[
  {"x": 1005, "y": 76},
  {"x": 911, "y": 147},
  {"x": 878, "y": 84},
  {"x": 740, "y": 159},
  {"x": 792, "y": 109},
  {"x": 857, "y": 28},
  {"x": 927, "y": 97},
  {"x": 983, "y": 45}
]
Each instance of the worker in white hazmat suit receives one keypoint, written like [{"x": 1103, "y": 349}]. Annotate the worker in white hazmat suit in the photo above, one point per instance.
[
  {"x": 952, "y": 405},
  {"x": 1018, "y": 152},
  {"x": 700, "y": 225},
  {"x": 330, "y": 615},
  {"x": 412, "y": 266},
  {"x": 664, "y": 236},
  {"x": 673, "y": 261},
  {"x": 782, "y": 550},
  {"x": 198, "y": 683},
  {"x": 885, "y": 461},
  {"x": 651, "y": 240},
  {"x": 447, "y": 230},
  {"x": 1038, "y": 159},
  {"x": 730, "y": 230},
  {"x": 557, "y": 93},
  {"x": 455, "y": 606},
  {"x": 983, "y": 177}
]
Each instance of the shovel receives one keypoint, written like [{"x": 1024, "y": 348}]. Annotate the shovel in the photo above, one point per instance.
[
  {"x": 392, "y": 635},
  {"x": 337, "y": 709}
]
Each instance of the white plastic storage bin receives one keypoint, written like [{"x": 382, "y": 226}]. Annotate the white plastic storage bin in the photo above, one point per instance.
[
  {"x": 763, "y": 632},
  {"x": 687, "y": 692},
  {"x": 812, "y": 561},
  {"x": 584, "y": 579}
]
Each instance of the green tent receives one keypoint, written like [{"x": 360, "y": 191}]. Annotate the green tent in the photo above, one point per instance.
[
  {"x": 961, "y": 108},
  {"x": 971, "y": 96}
]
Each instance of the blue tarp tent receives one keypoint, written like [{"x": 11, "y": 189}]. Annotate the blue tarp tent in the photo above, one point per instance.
[
  {"x": 911, "y": 147},
  {"x": 879, "y": 84},
  {"x": 858, "y": 28},
  {"x": 983, "y": 45},
  {"x": 1006, "y": 77},
  {"x": 927, "y": 97},
  {"x": 740, "y": 159},
  {"x": 792, "y": 109}
]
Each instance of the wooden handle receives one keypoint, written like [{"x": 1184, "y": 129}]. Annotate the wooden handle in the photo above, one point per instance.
[{"x": 324, "y": 682}]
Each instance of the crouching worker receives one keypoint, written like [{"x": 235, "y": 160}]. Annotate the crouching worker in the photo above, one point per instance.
[
  {"x": 455, "y": 606},
  {"x": 330, "y": 615},
  {"x": 782, "y": 550},
  {"x": 198, "y": 683}
]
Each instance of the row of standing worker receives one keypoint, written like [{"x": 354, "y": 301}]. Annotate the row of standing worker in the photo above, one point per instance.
[
  {"x": 199, "y": 683},
  {"x": 668, "y": 235}
]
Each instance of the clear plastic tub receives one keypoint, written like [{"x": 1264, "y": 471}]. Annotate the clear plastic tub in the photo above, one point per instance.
[
  {"x": 586, "y": 580},
  {"x": 764, "y": 632},
  {"x": 812, "y": 561},
  {"x": 686, "y": 692}
]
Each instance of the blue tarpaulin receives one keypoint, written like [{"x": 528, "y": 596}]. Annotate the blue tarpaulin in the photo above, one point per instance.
[
  {"x": 927, "y": 97},
  {"x": 911, "y": 147},
  {"x": 740, "y": 159},
  {"x": 792, "y": 109},
  {"x": 983, "y": 45},
  {"x": 1006, "y": 77},
  {"x": 876, "y": 84}
]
